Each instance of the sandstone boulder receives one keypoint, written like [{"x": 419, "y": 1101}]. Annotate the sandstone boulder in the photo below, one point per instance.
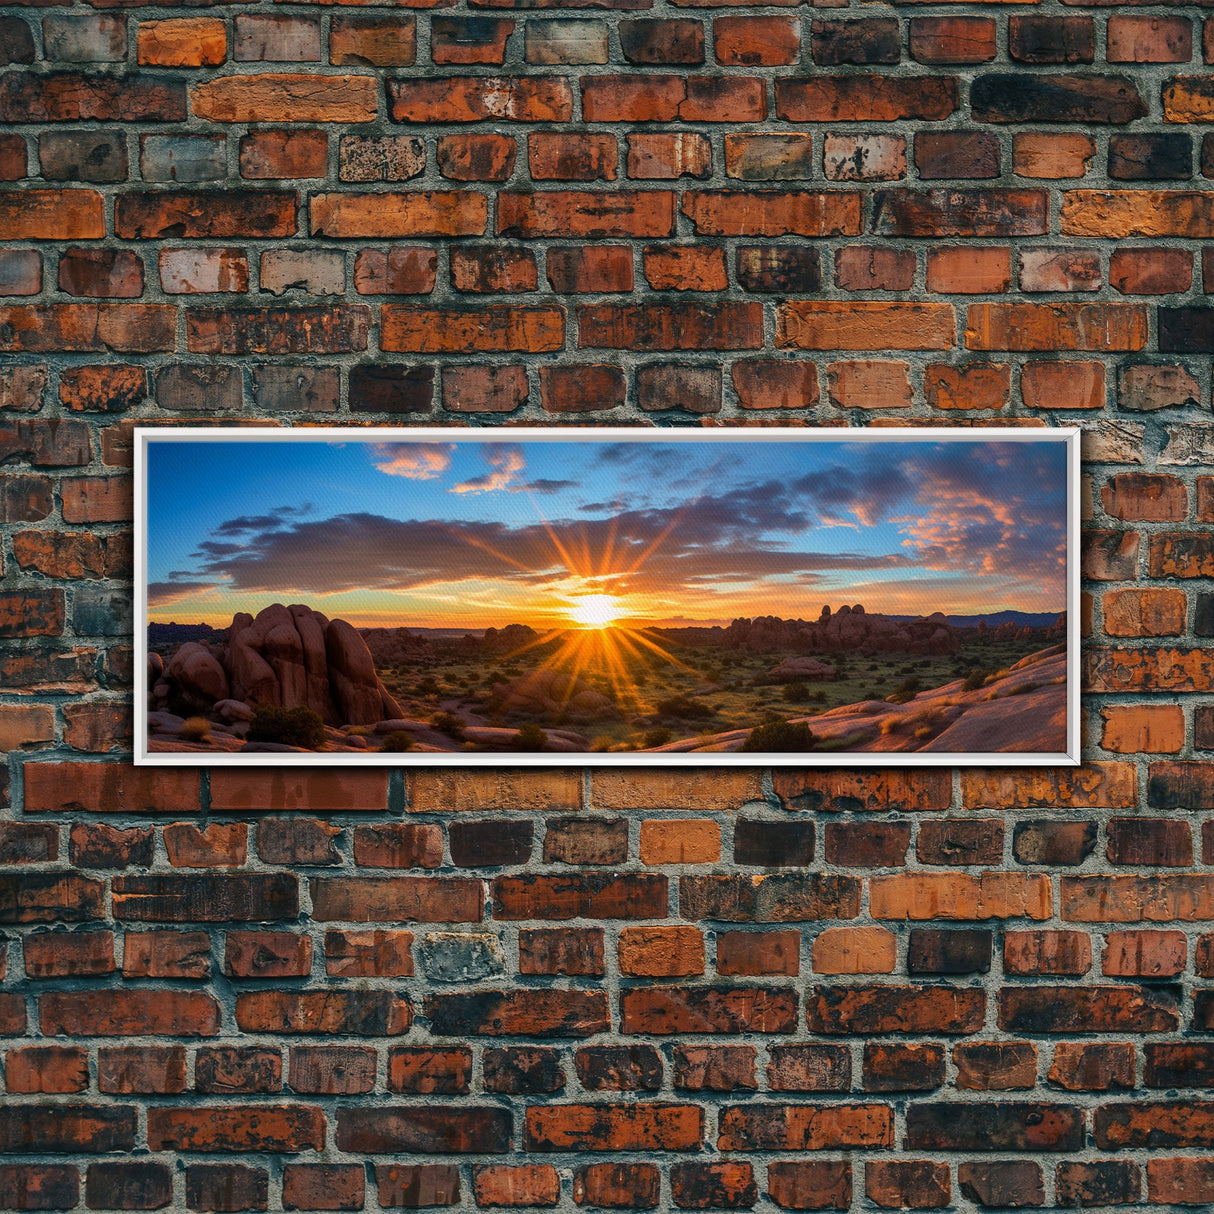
[{"x": 198, "y": 674}]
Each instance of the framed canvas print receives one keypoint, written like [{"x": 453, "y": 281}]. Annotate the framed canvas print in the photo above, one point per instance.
[{"x": 607, "y": 596}]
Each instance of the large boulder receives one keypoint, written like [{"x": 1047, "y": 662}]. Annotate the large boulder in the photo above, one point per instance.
[
  {"x": 198, "y": 675},
  {"x": 287, "y": 657}
]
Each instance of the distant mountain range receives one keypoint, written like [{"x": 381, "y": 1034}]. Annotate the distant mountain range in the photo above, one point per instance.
[{"x": 1024, "y": 619}]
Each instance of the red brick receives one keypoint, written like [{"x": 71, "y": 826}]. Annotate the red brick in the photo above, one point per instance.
[
  {"x": 1137, "y": 954},
  {"x": 614, "y": 1127},
  {"x": 894, "y": 1009},
  {"x": 1149, "y": 39},
  {"x": 772, "y": 213},
  {"x": 128, "y": 1012},
  {"x": 430, "y": 1071},
  {"x": 973, "y": 386},
  {"x": 167, "y": 954},
  {"x": 414, "y": 1185},
  {"x": 364, "y": 954},
  {"x": 575, "y": 951},
  {"x": 503, "y": 1185},
  {"x": 899, "y": 1184},
  {"x": 284, "y": 154},
  {"x": 480, "y": 98},
  {"x": 725, "y": 1185},
  {"x": 995, "y": 1066},
  {"x": 865, "y": 97},
  {"x": 775, "y": 385},
  {"x": 104, "y": 327},
  {"x": 804, "y": 1127},
  {"x": 318, "y": 1186},
  {"x": 952, "y": 39},
  {"x": 810, "y": 1185},
  {"x": 1143, "y": 728},
  {"x": 656, "y": 98},
  {"x": 485, "y": 269},
  {"x": 753, "y": 954},
  {"x": 756, "y": 41},
  {"x": 656, "y": 42},
  {"x": 1151, "y": 271},
  {"x": 332, "y": 1070},
  {"x": 965, "y": 270},
  {"x": 378, "y": 41},
  {"x": 809, "y": 1068},
  {"x": 874, "y": 268},
  {"x": 869, "y": 384},
  {"x": 476, "y": 157},
  {"x": 581, "y": 388},
  {"x": 557, "y": 156},
  {"x": 678, "y": 326},
  {"x": 469, "y": 40},
  {"x": 1134, "y": 613},
  {"x": 1063, "y": 385},
  {"x": 101, "y": 273},
  {"x": 685, "y": 268},
  {"x": 204, "y": 214},
  {"x": 76, "y": 96},
  {"x": 1178, "y": 1181},
  {"x": 221, "y": 844},
  {"x": 49, "y": 1069},
  {"x": 265, "y": 954},
  {"x": 248, "y": 1127},
  {"x": 399, "y": 270},
  {"x": 501, "y": 327},
  {"x": 666, "y": 156},
  {"x": 69, "y": 954},
  {"x": 619, "y": 1186}
]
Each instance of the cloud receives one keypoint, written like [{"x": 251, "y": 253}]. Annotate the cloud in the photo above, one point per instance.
[
  {"x": 506, "y": 460},
  {"x": 278, "y": 517},
  {"x": 413, "y": 461},
  {"x": 544, "y": 485},
  {"x": 161, "y": 594}
]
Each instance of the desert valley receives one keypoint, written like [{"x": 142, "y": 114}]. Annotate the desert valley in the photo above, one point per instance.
[{"x": 849, "y": 680}]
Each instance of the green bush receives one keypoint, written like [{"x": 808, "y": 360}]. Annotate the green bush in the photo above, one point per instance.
[
  {"x": 904, "y": 692},
  {"x": 397, "y": 741},
  {"x": 288, "y": 726},
  {"x": 656, "y": 737},
  {"x": 795, "y": 693},
  {"x": 529, "y": 737},
  {"x": 779, "y": 735},
  {"x": 975, "y": 679}
]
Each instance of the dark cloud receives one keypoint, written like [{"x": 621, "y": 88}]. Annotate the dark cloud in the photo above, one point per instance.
[{"x": 278, "y": 517}]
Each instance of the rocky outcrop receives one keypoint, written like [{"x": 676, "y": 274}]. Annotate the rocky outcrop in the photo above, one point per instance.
[
  {"x": 284, "y": 657},
  {"x": 395, "y": 646},
  {"x": 799, "y": 669},
  {"x": 851, "y": 629}
]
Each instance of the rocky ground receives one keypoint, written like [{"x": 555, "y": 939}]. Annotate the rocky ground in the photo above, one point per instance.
[{"x": 1020, "y": 710}]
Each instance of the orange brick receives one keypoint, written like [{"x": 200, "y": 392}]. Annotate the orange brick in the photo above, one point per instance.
[
  {"x": 989, "y": 895},
  {"x": 282, "y": 97},
  {"x": 686, "y": 268},
  {"x": 183, "y": 42},
  {"x": 279, "y": 788},
  {"x": 1144, "y": 954},
  {"x": 23, "y": 725},
  {"x": 969, "y": 270},
  {"x": 1063, "y": 385},
  {"x": 535, "y": 791},
  {"x": 1144, "y": 613},
  {"x": 855, "y": 950},
  {"x": 709, "y": 790},
  {"x": 1143, "y": 728},
  {"x": 1095, "y": 785},
  {"x": 661, "y": 952},
  {"x": 865, "y": 325},
  {"x": 680, "y": 841},
  {"x": 755, "y": 953},
  {"x": 869, "y": 384},
  {"x": 1051, "y": 157}
]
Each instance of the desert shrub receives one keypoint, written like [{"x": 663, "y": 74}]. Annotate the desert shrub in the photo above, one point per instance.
[
  {"x": 602, "y": 744},
  {"x": 426, "y": 687},
  {"x": 906, "y": 690},
  {"x": 975, "y": 679},
  {"x": 924, "y": 733},
  {"x": 529, "y": 737},
  {"x": 449, "y": 723},
  {"x": 656, "y": 737},
  {"x": 397, "y": 741},
  {"x": 779, "y": 735},
  {"x": 300, "y": 726},
  {"x": 683, "y": 708},
  {"x": 794, "y": 693},
  {"x": 196, "y": 729}
]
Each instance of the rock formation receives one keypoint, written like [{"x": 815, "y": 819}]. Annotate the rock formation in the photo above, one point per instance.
[
  {"x": 550, "y": 695},
  {"x": 849, "y": 630},
  {"x": 284, "y": 657}
]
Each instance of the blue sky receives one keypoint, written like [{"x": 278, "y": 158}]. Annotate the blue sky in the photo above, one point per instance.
[{"x": 466, "y": 534}]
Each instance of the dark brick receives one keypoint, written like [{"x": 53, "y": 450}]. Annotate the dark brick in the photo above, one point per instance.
[
  {"x": 872, "y": 41},
  {"x": 391, "y": 388},
  {"x": 619, "y": 1068},
  {"x": 779, "y": 269},
  {"x": 1150, "y": 157},
  {"x": 1006, "y": 1184},
  {"x": 489, "y": 843},
  {"x": 959, "y": 951},
  {"x": 1051, "y": 39},
  {"x": 1002, "y": 1126},
  {"x": 1057, "y": 842},
  {"x": 130, "y": 1185},
  {"x": 1007, "y": 97},
  {"x": 903, "y": 1068},
  {"x": 523, "y": 1070}
]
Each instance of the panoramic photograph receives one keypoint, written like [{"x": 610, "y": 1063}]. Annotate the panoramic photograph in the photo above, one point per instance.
[{"x": 436, "y": 595}]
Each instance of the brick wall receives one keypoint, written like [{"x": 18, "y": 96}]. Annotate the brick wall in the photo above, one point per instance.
[{"x": 234, "y": 990}]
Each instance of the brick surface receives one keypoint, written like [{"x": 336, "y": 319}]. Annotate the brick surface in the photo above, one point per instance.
[{"x": 499, "y": 213}]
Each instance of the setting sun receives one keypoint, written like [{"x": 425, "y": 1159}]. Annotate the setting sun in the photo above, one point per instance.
[{"x": 595, "y": 610}]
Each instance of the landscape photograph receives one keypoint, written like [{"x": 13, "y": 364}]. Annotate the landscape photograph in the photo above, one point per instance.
[{"x": 512, "y": 596}]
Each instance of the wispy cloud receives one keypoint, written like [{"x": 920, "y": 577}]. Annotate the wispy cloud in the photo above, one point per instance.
[{"x": 506, "y": 461}]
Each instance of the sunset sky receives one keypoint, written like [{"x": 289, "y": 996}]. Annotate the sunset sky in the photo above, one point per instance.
[{"x": 467, "y": 534}]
